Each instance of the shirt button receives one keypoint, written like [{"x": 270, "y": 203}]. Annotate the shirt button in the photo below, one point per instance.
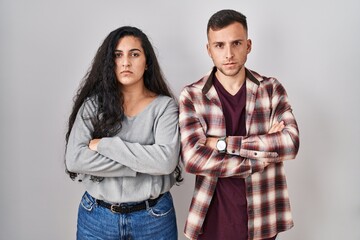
[
  {"x": 233, "y": 151},
  {"x": 255, "y": 153}
]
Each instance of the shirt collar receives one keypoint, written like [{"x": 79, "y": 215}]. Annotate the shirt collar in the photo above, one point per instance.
[{"x": 210, "y": 80}]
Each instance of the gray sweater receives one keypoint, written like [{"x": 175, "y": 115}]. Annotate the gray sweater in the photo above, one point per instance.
[{"x": 137, "y": 163}]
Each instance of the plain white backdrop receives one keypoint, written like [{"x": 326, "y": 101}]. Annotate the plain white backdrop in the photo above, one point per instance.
[{"x": 46, "y": 47}]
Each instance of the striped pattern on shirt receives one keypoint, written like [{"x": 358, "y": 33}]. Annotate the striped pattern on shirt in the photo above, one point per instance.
[{"x": 201, "y": 116}]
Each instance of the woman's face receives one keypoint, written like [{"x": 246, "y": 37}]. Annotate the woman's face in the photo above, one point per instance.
[{"x": 130, "y": 61}]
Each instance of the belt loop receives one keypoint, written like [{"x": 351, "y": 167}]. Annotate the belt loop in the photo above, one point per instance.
[{"x": 147, "y": 204}]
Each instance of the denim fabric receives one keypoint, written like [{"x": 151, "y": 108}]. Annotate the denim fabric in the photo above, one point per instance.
[{"x": 96, "y": 222}]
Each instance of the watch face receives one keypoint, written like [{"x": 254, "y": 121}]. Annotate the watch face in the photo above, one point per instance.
[{"x": 221, "y": 145}]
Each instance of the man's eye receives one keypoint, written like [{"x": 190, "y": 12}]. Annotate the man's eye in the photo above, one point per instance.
[
  {"x": 218, "y": 45},
  {"x": 237, "y": 43}
]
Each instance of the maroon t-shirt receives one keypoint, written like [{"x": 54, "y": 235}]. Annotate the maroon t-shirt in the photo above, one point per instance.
[{"x": 227, "y": 214}]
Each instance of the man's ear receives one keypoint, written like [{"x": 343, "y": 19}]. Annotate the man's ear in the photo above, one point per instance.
[
  {"x": 208, "y": 50},
  {"x": 249, "y": 45}
]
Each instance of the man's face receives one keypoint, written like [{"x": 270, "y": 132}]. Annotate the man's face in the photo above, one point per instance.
[{"x": 228, "y": 48}]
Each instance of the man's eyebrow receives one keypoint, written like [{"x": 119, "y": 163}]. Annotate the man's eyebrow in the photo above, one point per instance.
[
  {"x": 236, "y": 40},
  {"x": 218, "y": 42}
]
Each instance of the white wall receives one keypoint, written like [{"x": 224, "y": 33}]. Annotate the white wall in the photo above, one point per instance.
[{"x": 312, "y": 47}]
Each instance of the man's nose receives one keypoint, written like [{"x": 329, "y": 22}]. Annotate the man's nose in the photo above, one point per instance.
[{"x": 229, "y": 52}]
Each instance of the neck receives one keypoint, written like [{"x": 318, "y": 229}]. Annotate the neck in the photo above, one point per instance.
[
  {"x": 136, "y": 99},
  {"x": 232, "y": 84},
  {"x": 133, "y": 93}
]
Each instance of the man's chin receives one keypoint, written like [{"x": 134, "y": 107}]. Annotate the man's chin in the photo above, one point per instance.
[{"x": 230, "y": 72}]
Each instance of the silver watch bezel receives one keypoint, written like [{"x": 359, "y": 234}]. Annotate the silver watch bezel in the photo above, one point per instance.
[{"x": 221, "y": 144}]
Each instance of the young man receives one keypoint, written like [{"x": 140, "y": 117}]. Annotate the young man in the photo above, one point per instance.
[{"x": 237, "y": 128}]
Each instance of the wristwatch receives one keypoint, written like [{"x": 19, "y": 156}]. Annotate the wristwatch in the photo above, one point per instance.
[{"x": 221, "y": 144}]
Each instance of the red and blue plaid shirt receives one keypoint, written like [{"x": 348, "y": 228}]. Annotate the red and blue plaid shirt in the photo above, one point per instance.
[{"x": 201, "y": 116}]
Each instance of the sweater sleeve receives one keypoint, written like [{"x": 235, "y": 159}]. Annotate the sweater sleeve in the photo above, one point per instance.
[
  {"x": 159, "y": 158},
  {"x": 80, "y": 158}
]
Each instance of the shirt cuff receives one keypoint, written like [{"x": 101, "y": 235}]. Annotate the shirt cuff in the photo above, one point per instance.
[{"x": 233, "y": 145}]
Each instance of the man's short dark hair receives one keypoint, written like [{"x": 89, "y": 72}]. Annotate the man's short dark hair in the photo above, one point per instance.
[{"x": 224, "y": 18}]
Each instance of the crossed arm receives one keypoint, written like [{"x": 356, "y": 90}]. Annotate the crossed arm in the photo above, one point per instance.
[
  {"x": 81, "y": 159},
  {"x": 245, "y": 154},
  {"x": 115, "y": 157},
  {"x": 276, "y": 127}
]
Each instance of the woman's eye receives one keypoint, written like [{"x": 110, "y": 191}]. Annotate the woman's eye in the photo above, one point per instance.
[
  {"x": 118, "y": 55},
  {"x": 135, "y": 54}
]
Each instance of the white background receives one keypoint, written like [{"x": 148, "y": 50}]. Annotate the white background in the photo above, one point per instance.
[{"x": 311, "y": 46}]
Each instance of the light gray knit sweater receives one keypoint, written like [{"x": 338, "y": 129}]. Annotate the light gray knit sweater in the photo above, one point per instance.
[{"x": 137, "y": 163}]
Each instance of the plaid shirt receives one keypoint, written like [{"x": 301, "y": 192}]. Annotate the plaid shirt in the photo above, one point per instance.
[{"x": 266, "y": 190}]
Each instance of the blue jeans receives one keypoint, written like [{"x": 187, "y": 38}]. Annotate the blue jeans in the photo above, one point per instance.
[{"x": 96, "y": 222}]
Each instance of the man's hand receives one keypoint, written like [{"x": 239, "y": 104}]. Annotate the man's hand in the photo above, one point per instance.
[
  {"x": 211, "y": 142},
  {"x": 277, "y": 127},
  {"x": 94, "y": 143}
]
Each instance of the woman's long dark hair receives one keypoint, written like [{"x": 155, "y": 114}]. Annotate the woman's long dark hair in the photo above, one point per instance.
[{"x": 100, "y": 82}]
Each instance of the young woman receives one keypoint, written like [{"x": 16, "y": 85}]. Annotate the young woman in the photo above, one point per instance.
[{"x": 123, "y": 143}]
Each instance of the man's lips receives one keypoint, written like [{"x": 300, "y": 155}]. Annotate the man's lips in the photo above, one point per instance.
[{"x": 126, "y": 72}]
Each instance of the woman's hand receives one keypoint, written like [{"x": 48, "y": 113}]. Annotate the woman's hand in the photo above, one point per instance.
[{"x": 94, "y": 143}]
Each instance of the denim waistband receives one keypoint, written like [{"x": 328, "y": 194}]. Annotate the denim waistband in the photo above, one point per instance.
[{"x": 123, "y": 208}]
